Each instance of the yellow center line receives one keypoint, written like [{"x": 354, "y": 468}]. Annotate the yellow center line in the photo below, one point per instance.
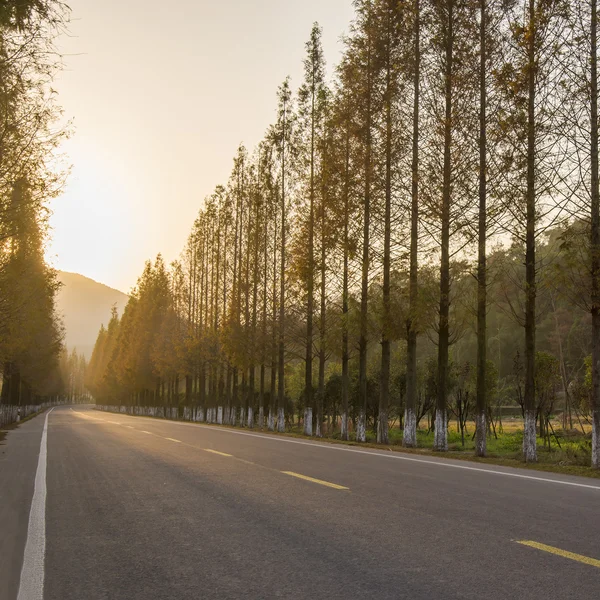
[
  {"x": 129, "y": 426},
  {"x": 564, "y": 553},
  {"x": 148, "y": 432},
  {"x": 173, "y": 440},
  {"x": 335, "y": 486},
  {"x": 216, "y": 452}
]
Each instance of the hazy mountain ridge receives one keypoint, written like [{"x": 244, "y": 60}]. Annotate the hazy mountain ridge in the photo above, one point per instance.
[{"x": 84, "y": 305}]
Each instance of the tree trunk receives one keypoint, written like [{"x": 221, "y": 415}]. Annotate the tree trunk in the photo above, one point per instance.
[
  {"x": 383, "y": 423},
  {"x": 322, "y": 325},
  {"x": 345, "y": 353},
  {"x": 481, "y": 400},
  {"x": 281, "y": 362},
  {"x": 362, "y": 343},
  {"x": 441, "y": 417},
  {"x": 529, "y": 434},
  {"x": 409, "y": 439},
  {"x": 595, "y": 245},
  {"x": 271, "y": 423},
  {"x": 308, "y": 395}
]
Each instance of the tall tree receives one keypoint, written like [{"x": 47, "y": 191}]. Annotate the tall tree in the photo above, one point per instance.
[
  {"x": 360, "y": 55},
  {"x": 310, "y": 112},
  {"x": 390, "y": 23},
  {"x": 532, "y": 82},
  {"x": 283, "y": 140},
  {"x": 481, "y": 429},
  {"x": 453, "y": 48},
  {"x": 409, "y": 438}
]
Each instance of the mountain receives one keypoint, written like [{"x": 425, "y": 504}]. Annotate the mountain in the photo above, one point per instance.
[{"x": 85, "y": 305}]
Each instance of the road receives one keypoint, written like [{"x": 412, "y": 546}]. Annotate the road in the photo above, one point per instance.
[{"x": 139, "y": 508}]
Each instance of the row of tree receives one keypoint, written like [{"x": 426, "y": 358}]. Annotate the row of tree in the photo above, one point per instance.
[
  {"x": 454, "y": 136},
  {"x": 30, "y": 331}
]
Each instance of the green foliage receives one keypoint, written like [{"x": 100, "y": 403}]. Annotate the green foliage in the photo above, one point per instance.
[{"x": 30, "y": 330}]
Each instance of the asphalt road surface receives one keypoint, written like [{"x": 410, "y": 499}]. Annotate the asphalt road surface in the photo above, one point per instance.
[{"x": 107, "y": 506}]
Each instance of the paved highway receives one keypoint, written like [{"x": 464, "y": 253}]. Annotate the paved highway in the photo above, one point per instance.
[{"x": 107, "y": 506}]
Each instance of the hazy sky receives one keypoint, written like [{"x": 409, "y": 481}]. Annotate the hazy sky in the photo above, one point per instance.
[{"x": 161, "y": 94}]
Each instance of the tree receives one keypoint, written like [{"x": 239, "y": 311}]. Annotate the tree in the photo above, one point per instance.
[
  {"x": 311, "y": 99},
  {"x": 30, "y": 330},
  {"x": 409, "y": 439},
  {"x": 361, "y": 59},
  {"x": 452, "y": 48},
  {"x": 531, "y": 78},
  {"x": 390, "y": 58},
  {"x": 282, "y": 135}
]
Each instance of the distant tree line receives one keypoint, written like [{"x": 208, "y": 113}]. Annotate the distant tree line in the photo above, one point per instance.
[
  {"x": 30, "y": 330},
  {"x": 412, "y": 238}
]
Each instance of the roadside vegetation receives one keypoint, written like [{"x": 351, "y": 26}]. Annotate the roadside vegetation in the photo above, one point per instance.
[
  {"x": 32, "y": 354},
  {"x": 415, "y": 242}
]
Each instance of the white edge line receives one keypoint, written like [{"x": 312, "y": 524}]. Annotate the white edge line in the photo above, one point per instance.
[
  {"x": 31, "y": 584},
  {"x": 394, "y": 455}
]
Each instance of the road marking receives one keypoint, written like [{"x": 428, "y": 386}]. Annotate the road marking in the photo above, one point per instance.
[
  {"x": 393, "y": 455},
  {"x": 113, "y": 422},
  {"x": 216, "y": 452},
  {"x": 129, "y": 427},
  {"x": 173, "y": 440},
  {"x": 148, "y": 432},
  {"x": 84, "y": 416},
  {"x": 335, "y": 486},
  {"x": 564, "y": 553},
  {"x": 31, "y": 585}
]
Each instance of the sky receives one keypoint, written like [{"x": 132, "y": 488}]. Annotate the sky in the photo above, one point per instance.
[{"x": 160, "y": 96}]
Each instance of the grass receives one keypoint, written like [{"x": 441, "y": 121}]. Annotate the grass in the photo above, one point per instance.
[{"x": 572, "y": 457}]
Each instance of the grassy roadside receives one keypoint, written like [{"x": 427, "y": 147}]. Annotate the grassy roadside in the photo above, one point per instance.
[{"x": 504, "y": 451}]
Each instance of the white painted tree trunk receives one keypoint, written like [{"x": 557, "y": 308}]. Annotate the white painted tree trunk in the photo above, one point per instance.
[
  {"x": 361, "y": 428},
  {"x": 318, "y": 432},
  {"x": 250, "y": 417},
  {"x": 440, "y": 442},
  {"x": 344, "y": 426},
  {"x": 271, "y": 421},
  {"x": 201, "y": 415},
  {"x": 382, "y": 428},
  {"x": 242, "y": 416},
  {"x": 529, "y": 437},
  {"x": 261, "y": 417},
  {"x": 595, "y": 440},
  {"x": 480, "y": 434},
  {"x": 280, "y": 420},
  {"x": 308, "y": 419},
  {"x": 232, "y": 417},
  {"x": 409, "y": 439},
  {"x": 220, "y": 415}
]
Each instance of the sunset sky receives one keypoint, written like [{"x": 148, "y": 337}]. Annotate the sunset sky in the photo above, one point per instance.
[{"x": 160, "y": 98}]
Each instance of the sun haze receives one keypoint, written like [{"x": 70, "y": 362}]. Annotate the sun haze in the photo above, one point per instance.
[{"x": 159, "y": 111}]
